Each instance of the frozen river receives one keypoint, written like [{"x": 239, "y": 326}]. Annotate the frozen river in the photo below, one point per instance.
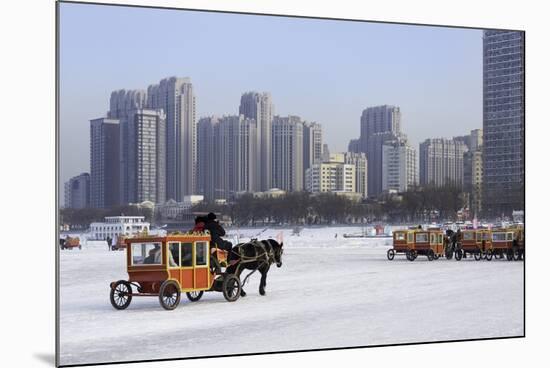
[{"x": 330, "y": 292}]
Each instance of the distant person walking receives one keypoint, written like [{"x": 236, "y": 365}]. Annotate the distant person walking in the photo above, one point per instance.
[{"x": 109, "y": 243}]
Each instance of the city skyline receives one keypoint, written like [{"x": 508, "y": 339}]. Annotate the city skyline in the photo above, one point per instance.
[{"x": 432, "y": 106}]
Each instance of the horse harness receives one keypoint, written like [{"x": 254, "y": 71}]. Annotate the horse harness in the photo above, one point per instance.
[{"x": 263, "y": 257}]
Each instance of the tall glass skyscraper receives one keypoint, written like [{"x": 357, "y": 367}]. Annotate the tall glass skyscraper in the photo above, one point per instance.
[{"x": 503, "y": 122}]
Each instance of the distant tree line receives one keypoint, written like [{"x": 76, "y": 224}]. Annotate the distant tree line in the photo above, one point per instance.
[{"x": 302, "y": 208}]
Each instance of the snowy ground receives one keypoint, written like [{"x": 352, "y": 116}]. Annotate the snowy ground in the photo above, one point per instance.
[{"x": 330, "y": 292}]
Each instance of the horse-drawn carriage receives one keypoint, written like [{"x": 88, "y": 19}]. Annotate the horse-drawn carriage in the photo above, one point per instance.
[
  {"x": 475, "y": 242},
  {"x": 169, "y": 265},
  {"x": 415, "y": 242},
  {"x": 504, "y": 243},
  {"x": 70, "y": 243}
]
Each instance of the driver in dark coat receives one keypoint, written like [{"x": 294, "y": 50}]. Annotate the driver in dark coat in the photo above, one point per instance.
[{"x": 216, "y": 232}]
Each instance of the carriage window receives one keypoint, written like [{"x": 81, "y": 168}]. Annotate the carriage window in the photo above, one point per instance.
[
  {"x": 499, "y": 236},
  {"x": 509, "y": 236},
  {"x": 186, "y": 254},
  {"x": 200, "y": 253},
  {"x": 174, "y": 255},
  {"x": 432, "y": 238},
  {"x": 421, "y": 238},
  {"x": 440, "y": 238},
  {"x": 399, "y": 236},
  {"x": 146, "y": 253},
  {"x": 410, "y": 238},
  {"x": 467, "y": 236}
]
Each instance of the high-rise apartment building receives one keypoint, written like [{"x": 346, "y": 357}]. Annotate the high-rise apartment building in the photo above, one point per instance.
[
  {"x": 441, "y": 161},
  {"x": 503, "y": 122},
  {"x": 354, "y": 145},
  {"x": 259, "y": 107},
  {"x": 176, "y": 98},
  {"x": 77, "y": 191},
  {"x": 143, "y": 168},
  {"x": 313, "y": 144},
  {"x": 122, "y": 106},
  {"x": 378, "y": 125},
  {"x": 398, "y": 166},
  {"x": 104, "y": 162},
  {"x": 288, "y": 153},
  {"x": 379, "y": 119},
  {"x": 206, "y": 158},
  {"x": 123, "y": 101},
  {"x": 227, "y": 156},
  {"x": 375, "y": 146}
]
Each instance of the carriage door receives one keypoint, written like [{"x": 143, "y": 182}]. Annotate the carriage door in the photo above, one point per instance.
[
  {"x": 201, "y": 271},
  {"x": 187, "y": 275}
]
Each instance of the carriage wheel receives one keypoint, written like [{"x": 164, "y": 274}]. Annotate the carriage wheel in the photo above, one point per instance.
[
  {"x": 391, "y": 254},
  {"x": 436, "y": 256},
  {"x": 231, "y": 288},
  {"x": 449, "y": 254},
  {"x": 516, "y": 255},
  {"x": 509, "y": 255},
  {"x": 194, "y": 296},
  {"x": 477, "y": 255},
  {"x": 489, "y": 255},
  {"x": 458, "y": 255},
  {"x": 169, "y": 295},
  {"x": 121, "y": 295},
  {"x": 430, "y": 255}
]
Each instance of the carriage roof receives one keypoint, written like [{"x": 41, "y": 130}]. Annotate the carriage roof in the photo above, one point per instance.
[{"x": 188, "y": 236}]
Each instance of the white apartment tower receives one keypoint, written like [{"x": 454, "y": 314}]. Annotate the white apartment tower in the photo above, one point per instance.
[
  {"x": 398, "y": 166},
  {"x": 143, "y": 168},
  {"x": 359, "y": 160},
  {"x": 313, "y": 144}
]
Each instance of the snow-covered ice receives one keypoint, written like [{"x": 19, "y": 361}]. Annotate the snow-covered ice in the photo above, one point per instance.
[{"x": 330, "y": 292}]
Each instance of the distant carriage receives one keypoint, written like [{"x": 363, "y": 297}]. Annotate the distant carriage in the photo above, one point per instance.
[
  {"x": 70, "y": 243},
  {"x": 504, "y": 243},
  {"x": 415, "y": 242},
  {"x": 475, "y": 242},
  {"x": 167, "y": 266}
]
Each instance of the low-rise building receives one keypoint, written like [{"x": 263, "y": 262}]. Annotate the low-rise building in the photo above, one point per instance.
[{"x": 114, "y": 226}]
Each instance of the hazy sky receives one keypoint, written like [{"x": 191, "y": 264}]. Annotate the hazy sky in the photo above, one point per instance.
[{"x": 321, "y": 70}]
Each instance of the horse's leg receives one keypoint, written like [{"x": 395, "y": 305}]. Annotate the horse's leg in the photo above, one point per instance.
[
  {"x": 263, "y": 270},
  {"x": 239, "y": 271}
]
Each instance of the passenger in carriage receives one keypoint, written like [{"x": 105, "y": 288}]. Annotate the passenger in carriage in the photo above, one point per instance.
[{"x": 200, "y": 222}]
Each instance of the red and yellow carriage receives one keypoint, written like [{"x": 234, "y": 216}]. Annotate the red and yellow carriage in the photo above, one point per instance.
[
  {"x": 475, "y": 242},
  {"x": 504, "y": 243},
  {"x": 415, "y": 242},
  {"x": 170, "y": 265}
]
